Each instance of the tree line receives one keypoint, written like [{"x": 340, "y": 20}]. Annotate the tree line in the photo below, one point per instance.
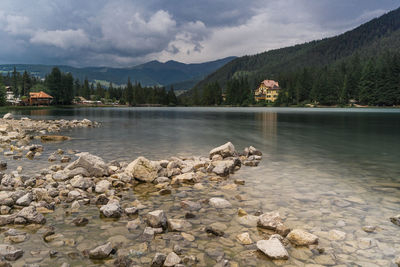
[
  {"x": 373, "y": 81},
  {"x": 64, "y": 89}
]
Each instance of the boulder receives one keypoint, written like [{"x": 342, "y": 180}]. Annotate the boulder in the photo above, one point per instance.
[
  {"x": 158, "y": 260},
  {"x": 223, "y": 167},
  {"x": 142, "y": 170},
  {"x": 79, "y": 182},
  {"x": 94, "y": 165},
  {"x": 102, "y": 186},
  {"x": 131, "y": 211},
  {"x": 219, "y": 203},
  {"x": 269, "y": 220},
  {"x": 172, "y": 260},
  {"x": 111, "y": 210},
  {"x": 10, "y": 253},
  {"x": 190, "y": 205},
  {"x": 273, "y": 248},
  {"x": 25, "y": 200},
  {"x": 226, "y": 150},
  {"x": 186, "y": 178},
  {"x": 8, "y": 116},
  {"x": 148, "y": 234},
  {"x": 31, "y": 215},
  {"x": 156, "y": 219},
  {"x": 101, "y": 252},
  {"x": 254, "y": 151},
  {"x": 302, "y": 238}
]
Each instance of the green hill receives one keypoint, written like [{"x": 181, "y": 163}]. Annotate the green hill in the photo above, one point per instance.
[
  {"x": 376, "y": 37},
  {"x": 148, "y": 74}
]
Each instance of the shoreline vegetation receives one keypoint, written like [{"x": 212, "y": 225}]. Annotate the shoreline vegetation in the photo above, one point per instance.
[{"x": 6, "y": 109}]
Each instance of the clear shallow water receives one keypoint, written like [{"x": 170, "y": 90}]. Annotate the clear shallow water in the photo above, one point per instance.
[{"x": 320, "y": 167}]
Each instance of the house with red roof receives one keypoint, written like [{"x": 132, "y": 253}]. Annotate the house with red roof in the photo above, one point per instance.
[
  {"x": 267, "y": 91},
  {"x": 39, "y": 98}
]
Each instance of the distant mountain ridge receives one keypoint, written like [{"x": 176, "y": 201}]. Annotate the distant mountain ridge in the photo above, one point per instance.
[
  {"x": 153, "y": 73},
  {"x": 374, "y": 37}
]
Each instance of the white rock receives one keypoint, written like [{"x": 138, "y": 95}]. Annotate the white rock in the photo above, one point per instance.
[
  {"x": 94, "y": 165},
  {"x": 273, "y": 248},
  {"x": 336, "y": 235},
  {"x": 302, "y": 238},
  {"x": 8, "y": 116},
  {"x": 219, "y": 203},
  {"x": 101, "y": 252},
  {"x": 226, "y": 150},
  {"x": 142, "y": 169},
  {"x": 172, "y": 260},
  {"x": 102, "y": 186},
  {"x": 270, "y": 220}
]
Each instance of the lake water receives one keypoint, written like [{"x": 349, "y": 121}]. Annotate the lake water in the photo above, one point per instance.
[{"x": 322, "y": 169}]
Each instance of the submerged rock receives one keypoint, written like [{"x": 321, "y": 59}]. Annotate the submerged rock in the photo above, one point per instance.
[
  {"x": 186, "y": 178},
  {"x": 219, "y": 203},
  {"x": 179, "y": 225},
  {"x": 111, "y": 210},
  {"x": 54, "y": 138},
  {"x": 395, "y": 220},
  {"x": 302, "y": 238},
  {"x": 156, "y": 219},
  {"x": 10, "y": 253},
  {"x": 101, "y": 252},
  {"x": 270, "y": 220},
  {"x": 158, "y": 260},
  {"x": 172, "y": 260},
  {"x": 273, "y": 248},
  {"x": 80, "y": 221},
  {"x": 244, "y": 239}
]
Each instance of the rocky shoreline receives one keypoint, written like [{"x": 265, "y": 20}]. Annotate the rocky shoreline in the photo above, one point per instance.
[{"x": 88, "y": 181}]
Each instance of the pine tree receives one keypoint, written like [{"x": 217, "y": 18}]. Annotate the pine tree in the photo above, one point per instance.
[
  {"x": 367, "y": 85},
  {"x": 172, "y": 100},
  {"x": 129, "y": 93}
]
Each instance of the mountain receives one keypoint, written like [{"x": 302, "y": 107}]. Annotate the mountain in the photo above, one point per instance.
[
  {"x": 151, "y": 73},
  {"x": 372, "y": 38}
]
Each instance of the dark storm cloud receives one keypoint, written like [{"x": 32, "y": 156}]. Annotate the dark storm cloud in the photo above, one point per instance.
[{"x": 127, "y": 32}]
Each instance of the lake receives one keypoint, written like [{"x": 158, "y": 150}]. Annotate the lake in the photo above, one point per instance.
[{"x": 322, "y": 169}]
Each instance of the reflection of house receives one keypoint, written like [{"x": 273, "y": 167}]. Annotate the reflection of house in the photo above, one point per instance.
[
  {"x": 10, "y": 98},
  {"x": 268, "y": 91},
  {"x": 39, "y": 98}
]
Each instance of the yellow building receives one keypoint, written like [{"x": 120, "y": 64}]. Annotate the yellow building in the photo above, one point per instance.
[{"x": 268, "y": 91}]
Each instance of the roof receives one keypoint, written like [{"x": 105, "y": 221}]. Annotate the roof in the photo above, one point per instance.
[
  {"x": 271, "y": 83},
  {"x": 40, "y": 94}
]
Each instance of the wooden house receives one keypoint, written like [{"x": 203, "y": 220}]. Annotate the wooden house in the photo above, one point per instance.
[{"x": 39, "y": 98}]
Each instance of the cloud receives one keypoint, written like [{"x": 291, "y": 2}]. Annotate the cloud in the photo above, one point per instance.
[
  {"x": 64, "y": 39},
  {"x": 129, "y": 32}
]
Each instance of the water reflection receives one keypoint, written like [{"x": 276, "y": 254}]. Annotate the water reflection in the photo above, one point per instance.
[{"x": 269, "y": 124}]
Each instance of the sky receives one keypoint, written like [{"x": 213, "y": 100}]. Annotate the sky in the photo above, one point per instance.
[{"x": 122, "y": 33}]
